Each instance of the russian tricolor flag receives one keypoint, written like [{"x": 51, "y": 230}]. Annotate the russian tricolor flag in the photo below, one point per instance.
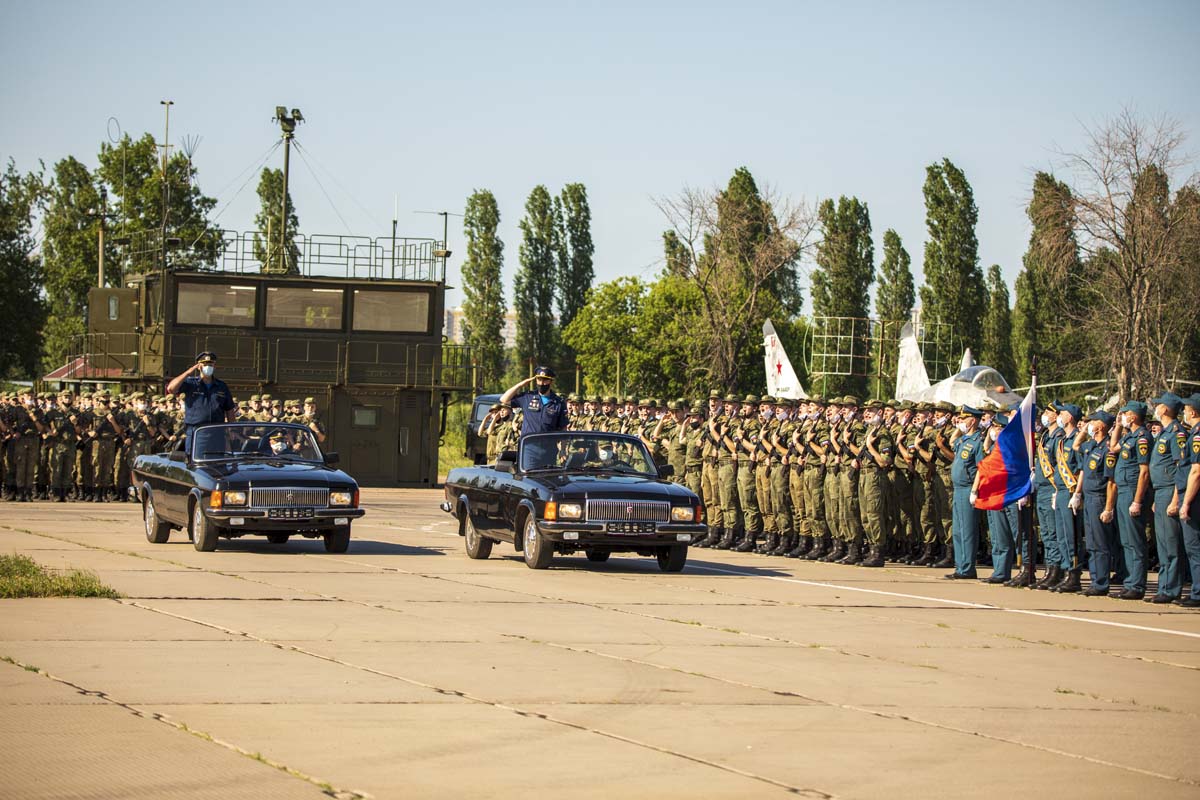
[{"x": 1006, "y": 473}]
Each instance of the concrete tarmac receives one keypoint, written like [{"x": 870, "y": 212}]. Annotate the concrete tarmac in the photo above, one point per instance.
[{"x": 403, "y": 669}]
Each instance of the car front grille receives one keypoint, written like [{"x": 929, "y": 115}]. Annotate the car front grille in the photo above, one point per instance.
[
  {"x": 289, "y": 498},
  {"x": 623, "y": 510}
]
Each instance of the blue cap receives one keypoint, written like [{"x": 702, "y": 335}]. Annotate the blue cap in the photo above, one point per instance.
[
  {"x": 1100, "y": 415},
  {"x": 1137, "y": 407},
  {"x": 1075, "y": 411},
  {"x": 1000, "y": 419},
  {"x": 543, "y": 372},
  {"x": 1193, "y": 402},
  {"x": 1170, "y": 400}
]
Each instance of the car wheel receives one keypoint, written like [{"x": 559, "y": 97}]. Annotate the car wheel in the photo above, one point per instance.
[
  {"x": 597, "y": 556},
  {"x": 538, "y": 552},
  {"x": 204, "y": 533},
  {"x": 672, "y": 559},
  {"x": 478, "y": 546},
  {"x": 157, "y": 531},
  {"x": 337, "y": 540},
  {"x": 278, "y": 538}
]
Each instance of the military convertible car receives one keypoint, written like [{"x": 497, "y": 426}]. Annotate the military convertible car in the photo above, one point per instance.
[
  {"x": 239, "y": 479},
  {"x": 569, "y": 491}
]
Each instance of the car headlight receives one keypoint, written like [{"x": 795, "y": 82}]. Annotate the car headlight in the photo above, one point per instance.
[
  {"x": 683, "y": 514},
  {"x": 570, "y": 511},
  {"x": 341, "y": 498},
  {"x": 233, "y": 498}
]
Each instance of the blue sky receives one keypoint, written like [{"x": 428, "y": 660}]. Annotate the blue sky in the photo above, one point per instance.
[{"x": 636, "y": 100}]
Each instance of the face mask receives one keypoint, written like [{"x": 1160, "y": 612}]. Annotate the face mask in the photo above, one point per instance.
[
  {"x": 941, "y": 423},
  {"x": 543, "y": 388},
  {"x": 1091, "y": 429},
  {"x": 871, "y": 420},
  {"x": 278, "y": 447},
  {"x": 964, "y": 427},
  {"x": 1046, "y": 420},
  {"x": 835, "y": 417},
  {"x": 141, "y": 407},
  {"x": 207, "y": 370},
  {"x": 986, "y": 425}
]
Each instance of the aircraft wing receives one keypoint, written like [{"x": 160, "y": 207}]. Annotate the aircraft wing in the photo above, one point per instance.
[{"x": 781, "y": 378}]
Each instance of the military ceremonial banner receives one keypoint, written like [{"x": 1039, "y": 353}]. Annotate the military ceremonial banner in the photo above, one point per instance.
[{"x": 1006, "y": 473}]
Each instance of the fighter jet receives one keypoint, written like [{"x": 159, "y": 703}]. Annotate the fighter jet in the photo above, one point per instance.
[
  {"x": 973, "y": 384},
  {"x": 781, "y": 378}
]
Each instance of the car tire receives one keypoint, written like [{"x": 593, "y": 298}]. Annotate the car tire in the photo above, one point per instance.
[
  {"x": 478, "y": 545},
  {"x": 278, "y": 538},
  {"x": 204, "y": 533},
  {"x": 537, "y": 551},
  {"x": 597, "y": 556},
  {"x": 337, "y": 540},
  {"x": 157, "y": 531},
  {"x": 672, "y": 558}
]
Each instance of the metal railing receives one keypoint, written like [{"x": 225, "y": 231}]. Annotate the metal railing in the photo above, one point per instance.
[{"x": 390, "y": 258}]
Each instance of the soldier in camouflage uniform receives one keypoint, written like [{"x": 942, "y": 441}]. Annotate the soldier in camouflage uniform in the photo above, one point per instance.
[
  {"x": 62, "y": 435},
  {"x": 760, "y": 459},
  {"x": 875, "y": 458},
  {"x": 744, "y": 443},
  {"x": 780, "y": 478},
  {"x": 106, "y": 430},
  {"x": 141, "y": 429},
  {"x": 693, "y": 451},
  {"x": 709, "y": 486},
  {"x": 722, "y": 428},
  {"x": 815, "y": 440},
  {"x": 25, "y": 425}
]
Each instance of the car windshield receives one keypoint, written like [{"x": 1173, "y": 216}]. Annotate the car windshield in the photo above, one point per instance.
[
  {"x": 586, "y": 452},
  {"x": 247, "y": 442}
]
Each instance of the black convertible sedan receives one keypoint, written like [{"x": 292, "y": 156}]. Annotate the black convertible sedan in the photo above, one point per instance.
[
  {"x": 239, "y": 479},
  {"x": 575, "y": 490}
]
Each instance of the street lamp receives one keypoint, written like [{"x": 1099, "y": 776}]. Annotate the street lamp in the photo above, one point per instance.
[{"x": 288, "y": 125}]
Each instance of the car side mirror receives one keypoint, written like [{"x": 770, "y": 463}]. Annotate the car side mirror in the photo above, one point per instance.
[
  {"x": 666, "y": 471},
  {"x": 507, "y": 461},
  {"x": 179, "y": 456},
  {"x": 331, "y": 459}
]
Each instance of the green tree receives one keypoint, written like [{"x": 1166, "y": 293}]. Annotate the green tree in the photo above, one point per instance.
[
  {"x": 997, "y": 326},
  {"x": 1042, "y": 326},
  {"x": 607, "y": 336},
  {"x": 483, "y": 289},
  {"x": 894, "y": 295},
  {"x": 133, "y": 173},
  {"x": 841, "y": 286},
  {"x": 575, "y": 269},
  {"x": 70, "y": 257},
  {"x": 22, "y": 308},
  {"x": 537, "y": 336},
  {"x": 267, "y": 222},
  {"x": 676, "y": 256},
  {"x": 954, "y": 291}
]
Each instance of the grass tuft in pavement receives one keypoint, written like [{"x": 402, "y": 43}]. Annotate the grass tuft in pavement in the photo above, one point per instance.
[{"x": 21, "y": 576}]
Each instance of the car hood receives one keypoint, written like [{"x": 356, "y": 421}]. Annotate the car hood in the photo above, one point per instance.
[
  {"x": 262, "y": 473},
  {"x": 602, "y": 486}
]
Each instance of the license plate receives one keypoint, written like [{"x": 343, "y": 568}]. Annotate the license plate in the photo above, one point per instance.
[
  {"x": 631, "y": 527},
  {"x": 289, "y": 513}
]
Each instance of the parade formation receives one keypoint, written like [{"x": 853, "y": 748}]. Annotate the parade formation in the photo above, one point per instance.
[{"x": 863, "y": 483}]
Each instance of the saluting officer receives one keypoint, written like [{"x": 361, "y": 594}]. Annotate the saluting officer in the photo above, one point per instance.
[{"x": 207, "y": 400}]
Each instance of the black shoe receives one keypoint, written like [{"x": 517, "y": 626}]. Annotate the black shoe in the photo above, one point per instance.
[
  {"x": 994, "y": 579},
  {"x": 945, "y": 561},
  {"x": 1094, "y": 592},
  {"x": 1188, "y": 602},
  {"x": 836, "y": 553},
  {"x": 817, "y": 551},
  {"x": 746, "y": 546},
  {"x": 852, "y": 555},
  {"x": 926, "y": 558},
  {"x": 1131, "y": 594},
  {"x": 954, "y": 576},
  {"x": 1054, "y": 574},
  {"x": 1069, "y": 584},
  {"x": 874, "y": 559},
  {"x": 1160, "y": 599},
  {"x": 803, "y": 545}
]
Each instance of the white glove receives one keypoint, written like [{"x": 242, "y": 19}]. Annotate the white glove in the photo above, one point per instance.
[
  {"x": 974, "y": 498},
  {"x": 1135, "y": 509},
  {"x": 1054, "y": 501},
  {"x": 1076, "y": 503}
]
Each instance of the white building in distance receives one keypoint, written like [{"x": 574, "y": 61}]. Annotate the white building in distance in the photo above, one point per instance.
[{"x": 452, "y": 327}]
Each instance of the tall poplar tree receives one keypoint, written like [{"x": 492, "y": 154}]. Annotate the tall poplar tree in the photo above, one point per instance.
[
  {"x": 997, "y": 326},
  {"x": 894, "y": 295},
  {"x": 841, "y": 287},
  {"x": 537, "y": 336},
  {"x": 22, "y": 308},
  {"x": 575, "y": 251},
  {"x": 954, "y": 291},
  {"x": 483, "y": 306},
  {"x": 267, "y": 222}
]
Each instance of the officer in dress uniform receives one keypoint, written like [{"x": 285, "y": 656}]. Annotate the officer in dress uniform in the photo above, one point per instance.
[
  {"x": 1131, "y": 443},
  {"x": 1098, "y": 499},
  {"x": 543, "y": 410},
  {"x": 1068, "y": 525},
  {"x": 207, "y": 400},
  {"x": 1188, "y": 483},
  {"x": 1169, "y": 446},
  {"x": 966, "y": 454}
]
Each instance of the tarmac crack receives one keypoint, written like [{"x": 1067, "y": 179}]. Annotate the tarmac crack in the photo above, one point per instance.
[{"x": 155, "y": 716}]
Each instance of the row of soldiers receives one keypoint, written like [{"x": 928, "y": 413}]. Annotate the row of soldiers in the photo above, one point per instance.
[
  {"x": 859, "y": 483},
  {"x": 63, "y": 447}
]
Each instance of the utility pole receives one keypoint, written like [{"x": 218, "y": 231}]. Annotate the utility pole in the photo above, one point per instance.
[
  {"x": 103, "y": 222},
  {"x": 166, "y": 195},
  {"x": 288, "y": 125}
]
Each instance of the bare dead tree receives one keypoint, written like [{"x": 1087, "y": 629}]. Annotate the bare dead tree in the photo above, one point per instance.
[
  {"x": 1134, "y": 235},
  {"x": 740, "y": 258}
]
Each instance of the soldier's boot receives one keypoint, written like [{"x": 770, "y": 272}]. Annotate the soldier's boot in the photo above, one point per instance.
[
  {"x": 748, "y": 542},
  {"x": 703, "y": 540},
  {"x": 1069, "y": 584},
  {"x": 769, "y": 543},
  {"x": 837, "y": 552},
  {"x": 1026, "y": 577},
  {"x": 726, "y": 541},
  {"x": 926, "y": 556},
  {"x": 947, "y": 560},
  {"x": 803, "y": 545},
  {"x": 819, "y": 546},
  {"x": 60, "y": 495},
  {"x": 99, "y": 495},
  {"x": 714, "y": 536},
  {"x": 874, "y": 558},
  {"x": 9, "y": 493},
  {"x": 785, "y": 545},
  {"x": 1053, "y": 575},
  {"x": 853, "y": 555}
]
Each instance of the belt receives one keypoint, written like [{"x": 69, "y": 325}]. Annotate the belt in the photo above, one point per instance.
[
  {"x": 710, "y": 461},
  {"x": 690, "y": 470}
]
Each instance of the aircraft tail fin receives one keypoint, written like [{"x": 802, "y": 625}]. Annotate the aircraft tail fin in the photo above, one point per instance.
[
  {"x": 911, "y": 376},
  {"x": 781, "y": 378},
  {"x": 968, "y": 360}
]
